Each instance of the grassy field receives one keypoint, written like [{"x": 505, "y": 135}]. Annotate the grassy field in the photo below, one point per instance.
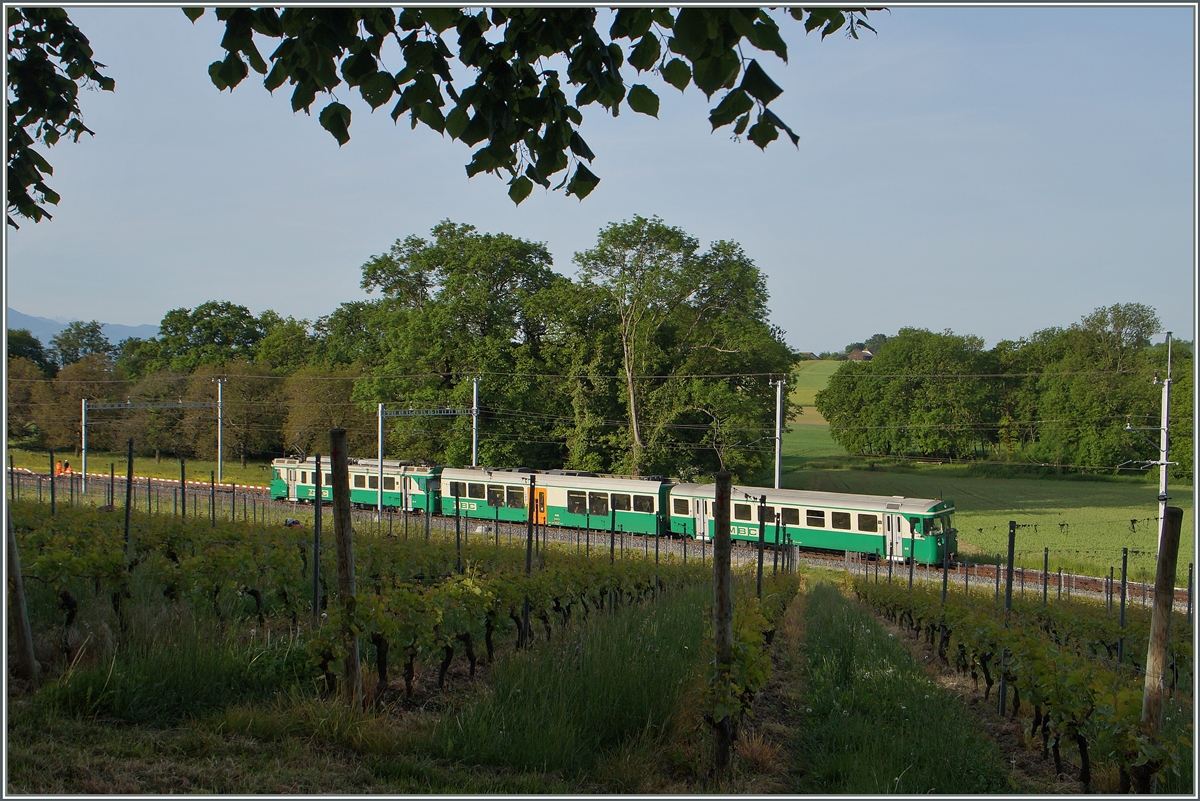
[
  {"x": 810, "y": 378},
  {"x": 253, "y": 474}
]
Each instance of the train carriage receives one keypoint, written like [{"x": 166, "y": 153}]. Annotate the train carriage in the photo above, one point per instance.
[
  {"x": 895, "y": 526},
  {"x": 564, "y": 498},
  {"x": 405, "y": 486}
]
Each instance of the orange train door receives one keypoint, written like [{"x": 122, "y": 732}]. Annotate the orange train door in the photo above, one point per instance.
[{"x": 539, "y": 506}]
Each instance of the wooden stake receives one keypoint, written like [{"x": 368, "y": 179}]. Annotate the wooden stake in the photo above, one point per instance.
[
  {"x": 723, "y": 618},
  {"x": 27, "y": 664},
  {"x": 1156, "y": 656},
  {"x": 343, "y": 533}
]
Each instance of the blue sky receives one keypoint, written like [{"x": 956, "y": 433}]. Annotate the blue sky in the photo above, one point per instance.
[{"x": 993, "y": 171}]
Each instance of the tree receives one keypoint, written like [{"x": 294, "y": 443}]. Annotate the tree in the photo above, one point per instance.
[
  {"x": 318, "y": 399},
  {"x": 286, "y": 343},
  {"x": 56, "y": 404},
  {"x": 48, "y": 60},
  {"x": 22, "y": 344},
  {"x": 648, "y": 270},
  {"x": 517, "y": 106},
  {"x": 79, "y": 340},
  {"x": 25, "y": 377},
  {"x": 211, "y": 334}
]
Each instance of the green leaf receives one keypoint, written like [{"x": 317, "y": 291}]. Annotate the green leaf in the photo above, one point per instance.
[
  {"x": 582, "y": 183},
  {"x": 646, "y": 53},
  {"x": 770, "y": 117},
  {"x": 714, "y": 72},
  {"x": 580, "y": 148},
  {"x": 519, "y": 188},
  {"x": 193, "y": 13},
  {"x": 642, "y": 100},
  {"x": 732, "y": 106},
  {"x": 757, "y": 83},
  {"x": 742, "y": 122},
  {"x": 335, "y": 118},
  {"x": 378, "y": 88},
  {"x": 677, "y": 73},
  {"x": 456, "y": 122},
  {"x": 762, "y": 133}
]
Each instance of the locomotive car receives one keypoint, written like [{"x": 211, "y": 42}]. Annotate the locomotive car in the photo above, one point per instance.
[
  {"x": 895, "y": 527},
  {"x": 572, "y": 499},
  {"x": 405, "y": 486}
]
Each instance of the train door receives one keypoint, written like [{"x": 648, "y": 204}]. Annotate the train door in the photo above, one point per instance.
[
  {"x": 291, "y": 482},
  {"x": 894, "y": 528},
  {"x": 703, "y": 510},
  {"x": 539, "y": 506}
]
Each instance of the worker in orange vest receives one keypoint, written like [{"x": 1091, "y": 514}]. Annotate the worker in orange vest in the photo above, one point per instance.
[{"x": 58, "y": 468}]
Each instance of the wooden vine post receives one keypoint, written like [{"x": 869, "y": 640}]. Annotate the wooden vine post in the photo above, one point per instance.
[
  {"x": 1156, "y": 654},
  {"x": 27, "y": 664},
  {"x": 344, "y": 535},
  {"x": 723, "y": 626}
]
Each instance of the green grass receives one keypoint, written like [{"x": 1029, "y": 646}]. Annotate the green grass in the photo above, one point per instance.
[
  {"x": 255, "y": 473},
  {"x": 874, "y": 722},
  {"x": 620, "y": 676},
  {"x": 811, "y": 377}
]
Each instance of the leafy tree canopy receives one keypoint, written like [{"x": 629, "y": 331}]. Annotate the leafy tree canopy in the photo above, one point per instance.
[
  {"x": 517, "y": 110},
  {"x": 78, "y": 340},
  {"x": 23, "y": 344}
]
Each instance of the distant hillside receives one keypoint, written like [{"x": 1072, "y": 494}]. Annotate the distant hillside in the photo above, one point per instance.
[{"x": 45, "y": 329}]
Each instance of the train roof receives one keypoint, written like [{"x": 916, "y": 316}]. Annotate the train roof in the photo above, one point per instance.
[
  {"x": 389, "y": 465},
  {"x": 880, "y": 503},
  {"x": 567, "y": 479}
]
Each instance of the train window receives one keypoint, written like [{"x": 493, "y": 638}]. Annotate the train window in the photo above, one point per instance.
[
  {"x": 329, "y": 479},
  {"x": 457, "y": 489},
  {"x": 815, "y": 518},
  {"x": 645, "y": 503},
  {"x": 495, "y": 495},
  {"x": 768, "y": 514},
  {"x": 516, "y": 498},
  {"x": 741, "y": 511},
  {"x": 598, "y": 503},
  {"x": 373, "y": 482},
  {"x": 868, "y": 523},
  {"x": 303, "y": 477},
  {"x": 840, "y": 520},
  {"x": 576, "y": 502},
  {"x": 360, "y": 481},
  {"x": 680, "y": 506},
  {"x": 475, "y": 491},
  {"x": 389, "y": 482},
  {"x": 620, "y": 502},
  {"x": 791, "y": 517},
  {"x": 912, "y": 525}
]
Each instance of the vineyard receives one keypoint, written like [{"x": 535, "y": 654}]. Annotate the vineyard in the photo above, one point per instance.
[{"x": 1072, "y": 664}]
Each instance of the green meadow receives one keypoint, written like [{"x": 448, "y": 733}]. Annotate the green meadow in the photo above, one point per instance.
[{"x": 1085, "y": 521}]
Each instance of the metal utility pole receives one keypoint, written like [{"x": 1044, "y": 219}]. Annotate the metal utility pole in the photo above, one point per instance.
[
  {"x": 381, "y": 462},
  {"x": 83, "y": 437},
  {"x": 778, "y": 430},
  {"x": 474, "y": 422},
  {"x": 1163, "y": 445},
  {"x": 220, "y": 429}
]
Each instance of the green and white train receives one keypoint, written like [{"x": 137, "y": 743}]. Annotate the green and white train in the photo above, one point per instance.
[{"x": 887, "y": 527}]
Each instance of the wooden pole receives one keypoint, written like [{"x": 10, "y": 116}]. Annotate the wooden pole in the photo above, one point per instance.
[
  {"x": 316, "y": 605},
  {"x": 762, "y": 512},
  {"x": 128, "y": 493},
  {"x": 1156, "y": 655},
  {"x": 27, "y": 664},
  {"x": 343, "y": 533},
  {"x": 722, "y": 619}
]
